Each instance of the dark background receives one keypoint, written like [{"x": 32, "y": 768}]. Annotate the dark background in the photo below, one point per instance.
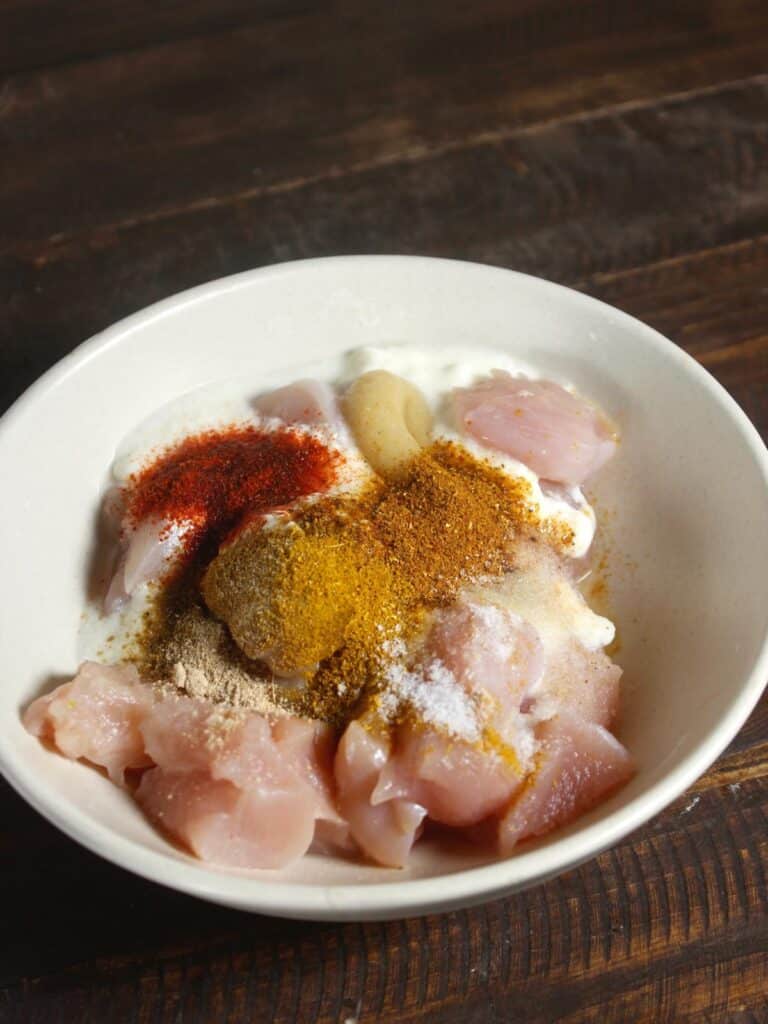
[{"x": 619, "y": 147}]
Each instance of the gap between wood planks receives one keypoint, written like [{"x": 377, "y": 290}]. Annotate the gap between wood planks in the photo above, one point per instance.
[
  {"x": 413, "y": 154},
  {"x": 608, "y": 276},
  {"x": 746, "y": 348},
  {"x": 733, "y": 769},
  {"x": 739, "y": 350}
]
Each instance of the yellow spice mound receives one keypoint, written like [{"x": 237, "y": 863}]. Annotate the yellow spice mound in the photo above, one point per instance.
[{"x": 293, "y": 595}]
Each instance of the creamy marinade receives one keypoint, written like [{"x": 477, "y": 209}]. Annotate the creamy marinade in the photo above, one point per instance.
[{"x": 339, "y": 611}]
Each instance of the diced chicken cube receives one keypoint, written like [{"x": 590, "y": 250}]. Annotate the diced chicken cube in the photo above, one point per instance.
[{"x": 554, "y": 432}]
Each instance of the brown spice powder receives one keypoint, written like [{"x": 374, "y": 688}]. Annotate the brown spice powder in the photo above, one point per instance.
[
  {"x": 196, "y": 654},
  {"x": 450, "y": 520}
]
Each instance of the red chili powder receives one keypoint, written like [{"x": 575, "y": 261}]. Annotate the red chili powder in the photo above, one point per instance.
[{"x": 215, "y": 478}]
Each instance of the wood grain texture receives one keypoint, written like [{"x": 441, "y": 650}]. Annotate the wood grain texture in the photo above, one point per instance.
[
  {"x": 44, "y": 34},
  {"x": 619, "y": 148},
  {"x": 313, "y": 93},
  {"x": 570, "y": 200}
]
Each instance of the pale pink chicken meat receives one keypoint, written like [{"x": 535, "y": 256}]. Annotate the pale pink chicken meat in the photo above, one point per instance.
[
  {"x": 174, "y": 732},
  {"x": 579, "y": 764},
  {"x": 186, "y": 735},
  {"x": 148, "y": 553},
  {"x": 97, "y": 716},
  {"x": 574, "y": 676},
  {"x": 246, "y": 754},
  {"x": 586, "y": 683},
  {"x": 455, "y": 782},
  {"x": 244, "y": 792},
  {"x": 266, "y": 827},
  {"x": 490, "y": 651},
  {"x": 234, "y": 788},
  {"x": 257, "y": 790},
  {"x": 557, "y": 434},
  {"x": 385, "y": 831},
  {"x": 309, "y": 747},
  {"x": 310, "y": 403}
]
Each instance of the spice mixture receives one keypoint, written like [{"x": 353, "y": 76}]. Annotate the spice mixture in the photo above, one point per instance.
[{"x": 323, "y": 598}]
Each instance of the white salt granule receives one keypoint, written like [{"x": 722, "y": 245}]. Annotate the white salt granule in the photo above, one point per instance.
[
  {"x": 495, "y": 637},
  {"x": 433, "y": 692}
]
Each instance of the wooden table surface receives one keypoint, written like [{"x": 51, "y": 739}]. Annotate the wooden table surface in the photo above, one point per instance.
[{"x": 618, "y": 147}]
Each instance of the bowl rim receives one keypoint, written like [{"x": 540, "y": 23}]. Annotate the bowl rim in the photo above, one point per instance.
[{"x": 378, "y": 900}]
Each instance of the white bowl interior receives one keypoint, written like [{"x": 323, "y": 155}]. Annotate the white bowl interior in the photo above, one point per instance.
[{"x": 686, "y": 517}]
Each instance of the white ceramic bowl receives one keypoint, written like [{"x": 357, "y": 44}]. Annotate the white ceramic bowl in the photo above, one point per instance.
[{"x": 688, "y": 503}]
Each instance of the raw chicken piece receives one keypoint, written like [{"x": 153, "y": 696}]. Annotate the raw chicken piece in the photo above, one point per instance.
[
  {"x": 148, "y": 554},
  {"x": 583, "y": 682},
  {"x": 580, "y": 763},
  {"x": 490, "y": 651},
  {"x": 265, "y": 827},
  {"x": 243, "y": 780},
  {"x": 224, "y": 783},
  {"x": 245, "y": 754},
  {"x": 559, "y": 435},
  {"x": 97, "y": 716},
  {"x": 578, "y": 676},
  {"x": 113, "y": 511},
  {"x": 496, "y": 657},
  {"x": 176, "y": 733},
  {"x": 308, "y": 747},
  {"x": 386, "y": 831},
  {"x": 309, "y": 403},
  {"x": 455, "y": 782},
  {"x": 540, "y": 589},
  {"x": 333, "y": 839}
]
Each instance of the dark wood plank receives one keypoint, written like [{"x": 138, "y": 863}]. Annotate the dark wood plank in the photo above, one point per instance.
[
  {"x": 44, "y": 33},
  {"x": 597, "y": 196},
  {"x": 715, "y": 305},
  {"x": 315, "y": 93},
  {"x": 672, "y": 294}
]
